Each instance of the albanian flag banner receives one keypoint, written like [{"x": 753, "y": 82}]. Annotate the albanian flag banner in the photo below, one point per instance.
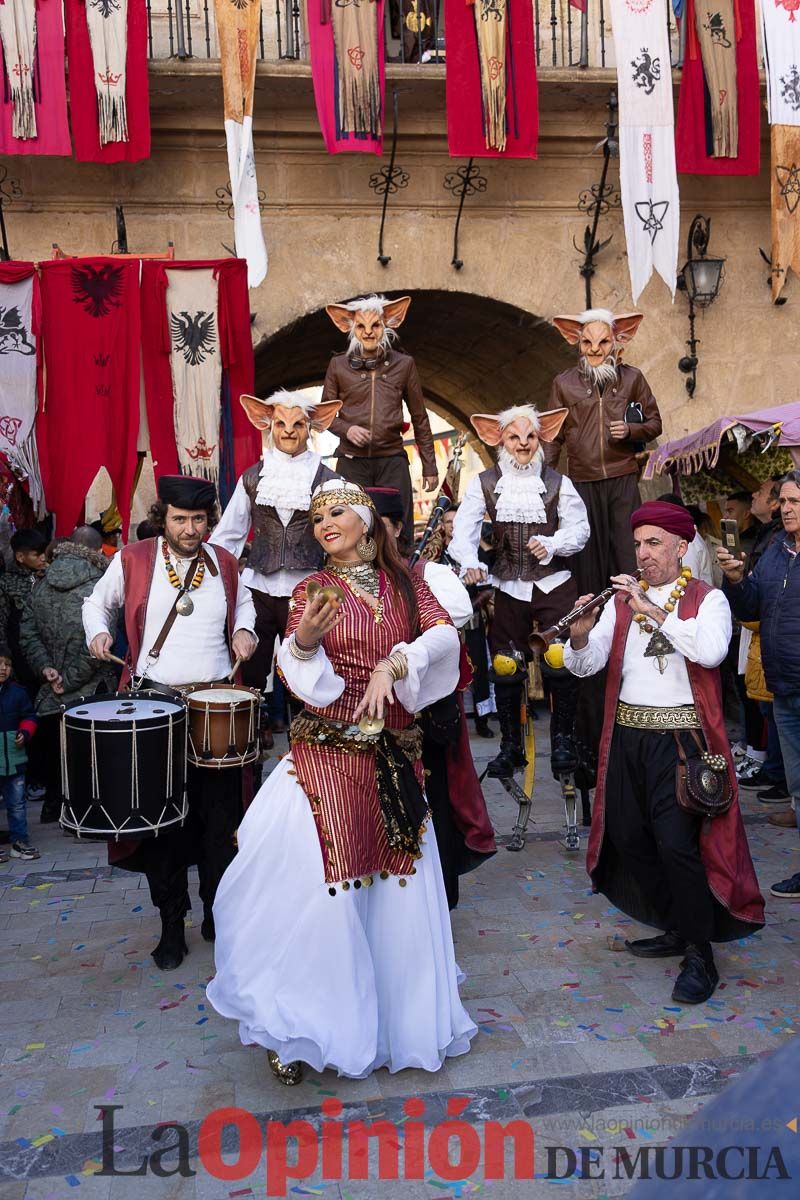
[
  {"x": 90, "y": 413},
  {"x": 196, "y": 369},
  {"x": 781, "y": 30},
  {"x": 719, "y": 108},
  {"x": 19, "y": 318},
  {"x": 648, "y": 179},
  {"x": 169, "y": 334},
  {"x": 492, "y": 97},
  {"x": 349, "y": 73},
  {"x": 33, "y": 112},
  {"x": 108, "y": 87}
]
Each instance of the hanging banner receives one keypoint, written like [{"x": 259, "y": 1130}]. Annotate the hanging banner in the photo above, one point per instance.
[
  {"x": 348, "y": 71},
  {"x": 19, "y": 316},
  {"x": 196, "y": 366},
  {"x": 492, "y": 96},
  {"x": 108, "y": 86},
  {"x": 33, "y": 102},
  {"x": 720, "y": 96},
  {"x": 239, "y": 444},
  {"x": 648, "y": 179},
  {"x": 781, "y": 34},
  {"x": 238, "y": 28},
  {"x": 91, "y": 334}
]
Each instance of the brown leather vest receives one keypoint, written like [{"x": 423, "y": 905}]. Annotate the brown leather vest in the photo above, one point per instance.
[
  {"x": 513, "y": 559},
  {"x": 279, "y": 547}
]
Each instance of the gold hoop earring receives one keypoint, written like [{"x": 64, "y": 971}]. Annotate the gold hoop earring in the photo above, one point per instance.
[{"x": 366, "y": 548}]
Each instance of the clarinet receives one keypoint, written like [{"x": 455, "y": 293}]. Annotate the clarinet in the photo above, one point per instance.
[{"x": 434, "y": 520}]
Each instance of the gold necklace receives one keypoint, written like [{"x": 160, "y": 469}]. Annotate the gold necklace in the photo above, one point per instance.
[{"x": 362, "y": 577}]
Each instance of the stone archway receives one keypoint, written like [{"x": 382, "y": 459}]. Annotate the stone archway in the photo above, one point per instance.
[{"x": 474, "y": 354}]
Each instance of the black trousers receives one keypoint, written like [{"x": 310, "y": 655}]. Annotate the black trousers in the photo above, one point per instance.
[
  {"x": 655, "y": 840},
  {"x": 272, "y": 613},
  {"x": 387, "y": 471},
  {"x": 207, "y": 840},
  {"x": 514, "y": 619},
  {"x": 609, "y": 551}
]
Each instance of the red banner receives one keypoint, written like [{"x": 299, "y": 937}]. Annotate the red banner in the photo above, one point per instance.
[
  {"x": 83, "y": 94},
  {"x": 465, "y": 118},
  {"x": 49, "y": 93},
  {"x": 237, "y": 361},
  {"x": 90, "y": 413},
  {"x": 326, "y": 82},
  {"x": 692, "y": 129}
]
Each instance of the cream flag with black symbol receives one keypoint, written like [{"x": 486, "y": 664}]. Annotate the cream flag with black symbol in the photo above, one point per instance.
[
  {"x": 648, "y": 178},
  {"x": 196, "y": 369},
  {"x": 781, "y": 30},
  {"x": 18, "y": 381}
]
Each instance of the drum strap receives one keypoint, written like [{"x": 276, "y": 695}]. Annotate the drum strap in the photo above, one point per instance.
[{"x": 172, "y": 615}]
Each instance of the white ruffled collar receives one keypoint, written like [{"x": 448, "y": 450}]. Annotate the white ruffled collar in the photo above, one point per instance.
[
  {"x": 519, "y": 490},
  {"x": 285, "y": 481}
]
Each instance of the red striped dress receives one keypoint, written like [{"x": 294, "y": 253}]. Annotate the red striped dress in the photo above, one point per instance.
[{"x": 341, "y": 784}]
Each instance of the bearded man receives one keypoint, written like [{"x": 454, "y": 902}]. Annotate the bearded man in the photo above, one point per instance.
[
  {"x": 188, "y": 616},
  {"x": 371, "y": 379},
  {"x": 611, "y": 413},
  {"x": 539, "y": 522},
  {"x": 272, "y": 498},
  {"x": 663, "y": 639}
]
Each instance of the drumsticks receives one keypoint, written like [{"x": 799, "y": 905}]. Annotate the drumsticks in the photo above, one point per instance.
[
  {"x": 236, "y": 666},
  {"x": 113, "y": 658}
]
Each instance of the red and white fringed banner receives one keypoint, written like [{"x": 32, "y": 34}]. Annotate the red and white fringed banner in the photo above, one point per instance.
[
  {"x": 90, "y": 413},
  {"x": 109, "y": 94},
  {"x": 19, "y": 323},
  {"x": 781, "y": 30},
  {"x": 648, "y": 179},
  {"x": 492, "y": 97},
  {"x": 348, "y": 71},
  {"x": 33, "y": 111},
  {"x": 719, "y": 108}
]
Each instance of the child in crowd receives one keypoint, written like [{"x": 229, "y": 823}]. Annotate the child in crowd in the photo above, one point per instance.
[{"x": 17, "y": 726}]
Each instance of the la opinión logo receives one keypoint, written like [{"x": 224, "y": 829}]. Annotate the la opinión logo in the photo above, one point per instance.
[{"x": 339, "y": 1150}]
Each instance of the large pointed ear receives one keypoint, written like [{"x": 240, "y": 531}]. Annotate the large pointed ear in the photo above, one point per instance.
[
  {"x": 323, "y": 414},
  {"x": 258, "y": 411},
  {"x": 487, "y": 428},
  {"x": 341, "y": 316},
  {"x": 570, "y": 328},
  {"x": 625, "y": 326},
  {"x": 394, "y": 313},
  {"x": 550, "y": 423}
]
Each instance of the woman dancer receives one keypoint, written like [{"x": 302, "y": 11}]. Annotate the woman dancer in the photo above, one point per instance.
[{"x": 333, "y": 935}]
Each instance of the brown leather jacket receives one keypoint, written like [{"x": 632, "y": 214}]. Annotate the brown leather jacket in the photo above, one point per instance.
[
  {"x": 374, "y": 399},
  {"x": 591, "y": 454},
  {"x": 513, "y": 559},
  {"x": 276, "y": 546}
]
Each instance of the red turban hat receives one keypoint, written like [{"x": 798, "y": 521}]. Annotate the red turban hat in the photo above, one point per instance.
[{"x": 670, "y": 517}]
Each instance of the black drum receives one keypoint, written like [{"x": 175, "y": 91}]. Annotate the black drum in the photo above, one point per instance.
[{"x": 123, "y": 765}]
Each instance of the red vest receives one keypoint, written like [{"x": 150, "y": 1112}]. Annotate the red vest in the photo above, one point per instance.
[
  {"x": 138, "y": 568},
  {"x": 723, "y": 841}
]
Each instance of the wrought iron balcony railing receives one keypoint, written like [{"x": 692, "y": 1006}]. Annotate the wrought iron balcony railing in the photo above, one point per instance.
[{"x": 564, "y": 36}]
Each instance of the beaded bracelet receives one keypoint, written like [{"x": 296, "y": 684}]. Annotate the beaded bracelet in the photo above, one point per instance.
[{"x": 298, "y": 651}]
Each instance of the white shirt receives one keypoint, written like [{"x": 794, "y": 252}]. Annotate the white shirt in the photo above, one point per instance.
[
  {"x": 702, "y": 639},
  {"x": 570, "y": 537},
  {"x": 698, "y": 558},
  {"x": 285, "y": 484},
  {"x": 449, "y": 591},
  {"x": 196, "y": 650}
]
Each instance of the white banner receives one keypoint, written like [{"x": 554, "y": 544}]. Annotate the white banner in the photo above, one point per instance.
[
  {"x": 781, "y": 29},
  {"x": 196, "y": 369},
  {"x": 247, "y": 231},
  {"x": 17, "y": 366},
  {"x": 648, "y": 177}
]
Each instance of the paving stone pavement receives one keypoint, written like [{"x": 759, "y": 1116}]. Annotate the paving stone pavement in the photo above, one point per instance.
[{"x": 578, "y": 1039}]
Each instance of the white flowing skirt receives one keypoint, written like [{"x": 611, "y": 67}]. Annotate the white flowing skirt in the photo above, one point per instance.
[{"x": 363, "y": 979}]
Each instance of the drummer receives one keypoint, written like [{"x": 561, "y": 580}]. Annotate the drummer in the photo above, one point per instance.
[{"x": 213, "y": 626}]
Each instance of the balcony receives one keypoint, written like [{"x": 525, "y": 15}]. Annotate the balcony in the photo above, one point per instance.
[{"x": 565, "y": 38}]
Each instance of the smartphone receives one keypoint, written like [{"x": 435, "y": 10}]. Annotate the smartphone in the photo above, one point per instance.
[{"x": 730, "y": 538}]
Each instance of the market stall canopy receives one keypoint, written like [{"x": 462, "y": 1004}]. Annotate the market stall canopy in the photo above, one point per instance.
[{"x": 769, "y": 434}]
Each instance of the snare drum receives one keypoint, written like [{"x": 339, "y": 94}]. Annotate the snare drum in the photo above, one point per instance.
[
  {"x": 123, "y": 766},
  {"x": 223, "y": 724}
]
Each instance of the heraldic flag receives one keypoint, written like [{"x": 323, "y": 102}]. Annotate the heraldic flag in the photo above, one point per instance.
[
  {"x": 648, "y": 179},
  {"x": 781, "y": 29}
]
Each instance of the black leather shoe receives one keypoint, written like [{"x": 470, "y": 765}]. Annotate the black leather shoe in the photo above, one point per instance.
[
  {"x": 666, "y": 945},
  {"x": 483, "y": 728},
  {"x": 698, "y": 978},
  {"x": 207, "y": 928},
  {"x": 504, "y": 764},
  {"x": 172, "y": 949}
]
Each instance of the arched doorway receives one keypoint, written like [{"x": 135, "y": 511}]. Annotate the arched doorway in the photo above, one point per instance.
[{"x": 474, "y": 354}]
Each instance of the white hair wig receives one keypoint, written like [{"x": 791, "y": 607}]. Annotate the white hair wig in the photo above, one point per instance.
[
  {"x": 368, "y": 303},
  {"x": 597, "y": 314},
  {"x": 517, "y": 412},
  {"x": 300, "y": 400}
]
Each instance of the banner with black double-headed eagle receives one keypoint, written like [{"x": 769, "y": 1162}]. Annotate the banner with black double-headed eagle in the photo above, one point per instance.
[
  {"x": 648, "y": 178},
  {"x": 781, "y": 30},
  {"x": 196, "y": 364}
]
